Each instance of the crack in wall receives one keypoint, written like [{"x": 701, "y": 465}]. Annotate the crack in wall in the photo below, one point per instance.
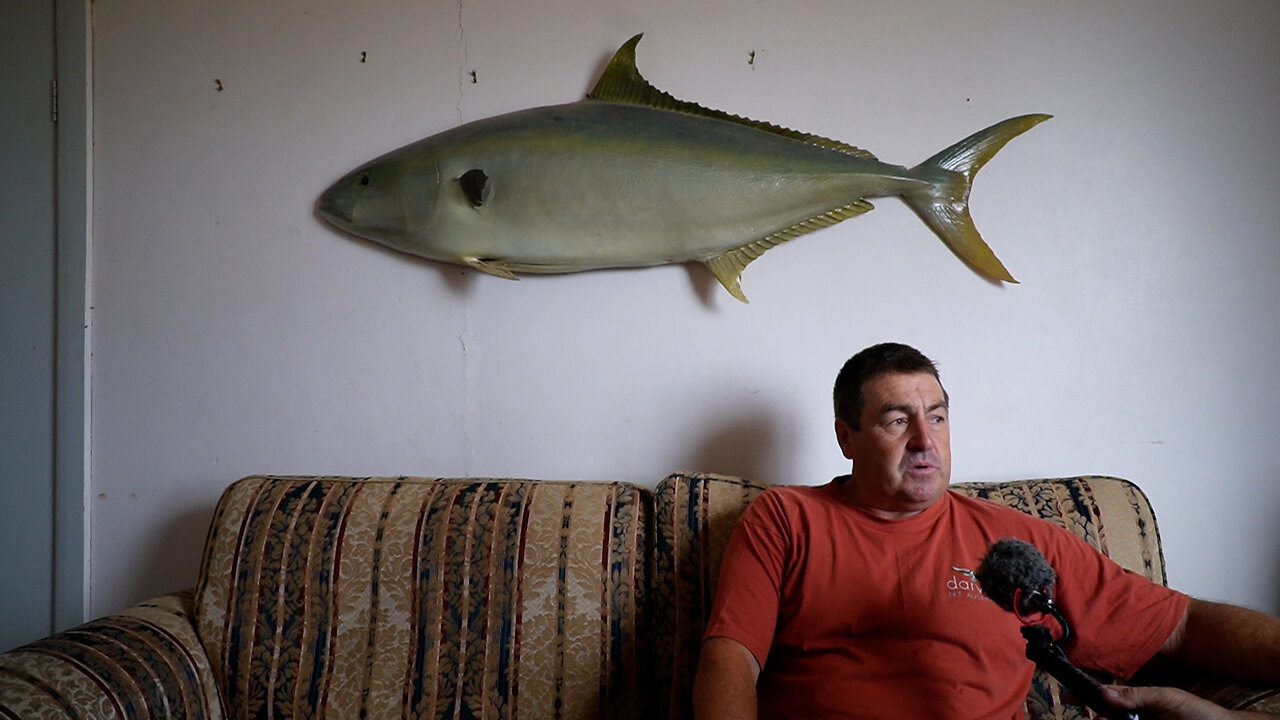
[
  {"x": 465, "y": 338},
  {"x": 462, "y": 60}
]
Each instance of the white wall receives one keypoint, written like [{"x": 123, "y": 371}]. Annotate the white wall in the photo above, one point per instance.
[{"x": 235, "y": 333}]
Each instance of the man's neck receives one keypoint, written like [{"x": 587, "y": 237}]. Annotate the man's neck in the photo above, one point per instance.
[{"x": 851, "y": 496}]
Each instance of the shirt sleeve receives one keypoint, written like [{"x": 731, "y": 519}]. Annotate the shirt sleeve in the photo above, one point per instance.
[
  {"x": 748, "y": 593},
  {"x": 1119, "y": 618}
]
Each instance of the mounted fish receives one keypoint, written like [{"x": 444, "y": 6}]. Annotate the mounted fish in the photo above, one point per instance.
[{"x": 632, "y": 177}]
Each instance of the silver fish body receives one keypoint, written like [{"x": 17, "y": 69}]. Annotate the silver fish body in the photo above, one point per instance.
[{"x": 613, "y": 182}]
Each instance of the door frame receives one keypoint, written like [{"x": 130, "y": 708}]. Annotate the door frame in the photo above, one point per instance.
[{"x": 73, "y": 213}]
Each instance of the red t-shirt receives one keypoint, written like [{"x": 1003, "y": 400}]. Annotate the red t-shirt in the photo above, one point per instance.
[{"x": 850, "y": 615}]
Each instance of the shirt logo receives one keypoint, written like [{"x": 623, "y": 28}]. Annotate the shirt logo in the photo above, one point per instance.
[{"x": 963, "y": 583}]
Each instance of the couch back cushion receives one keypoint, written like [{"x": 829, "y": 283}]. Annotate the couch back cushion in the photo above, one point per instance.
[
  {"x": 390, "y": 597},
  {"x": 695, "y": 514},
  {"x": 1111, "y": 514}
]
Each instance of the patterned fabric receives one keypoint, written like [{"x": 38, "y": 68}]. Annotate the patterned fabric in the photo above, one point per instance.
[
  {"x": 1264, "y": 700},
  {"x": 695, "y": 514},
  {"x": 1080, "y": 504},
  {"x": 145, "y": 662},
  {"x": 407, "y": 597}
]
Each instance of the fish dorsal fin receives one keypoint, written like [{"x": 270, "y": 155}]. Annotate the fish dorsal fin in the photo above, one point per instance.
[
  {"x": 622, "y": 82},
  {"x": 728, "y": 265}
]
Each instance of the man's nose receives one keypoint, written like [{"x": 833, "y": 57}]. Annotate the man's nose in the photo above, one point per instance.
[{"x": 920, "y": 437}]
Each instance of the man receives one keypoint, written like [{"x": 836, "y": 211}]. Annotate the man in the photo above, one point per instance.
[{"x": 830, "y": 601}]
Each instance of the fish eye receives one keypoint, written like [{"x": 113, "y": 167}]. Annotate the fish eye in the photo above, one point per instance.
[{"x": 364, "y": 180}]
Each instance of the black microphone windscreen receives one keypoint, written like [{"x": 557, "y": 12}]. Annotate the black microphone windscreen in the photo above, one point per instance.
[{"x": 1012, "y": 565}]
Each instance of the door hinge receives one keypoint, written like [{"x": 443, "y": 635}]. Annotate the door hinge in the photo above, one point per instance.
[{"x": 53, "y": 101}]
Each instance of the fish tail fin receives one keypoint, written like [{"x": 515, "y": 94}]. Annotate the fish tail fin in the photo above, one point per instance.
[{"x": 944, "y": 203}]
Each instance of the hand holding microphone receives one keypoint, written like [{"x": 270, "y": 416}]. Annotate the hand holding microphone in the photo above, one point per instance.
[{"x": 1018, "y": 578}]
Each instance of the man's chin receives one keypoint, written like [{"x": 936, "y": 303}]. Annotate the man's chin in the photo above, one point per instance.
[
  {"x": 925, "y": 488},
  {"x": 926, "y": 476}
]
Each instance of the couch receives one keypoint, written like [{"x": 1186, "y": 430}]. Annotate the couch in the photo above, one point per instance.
[{"x": 468, "y": 598}]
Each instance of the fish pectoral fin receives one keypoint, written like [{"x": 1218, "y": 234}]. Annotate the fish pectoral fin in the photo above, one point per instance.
[
  {"x": 728, "y": 265},
  {"x": 490, "y": 267},
  {"x": 621, "y": 82}
]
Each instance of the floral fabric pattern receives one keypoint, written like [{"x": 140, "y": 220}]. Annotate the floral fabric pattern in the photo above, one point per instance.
[{"x": 145, "y": 662}]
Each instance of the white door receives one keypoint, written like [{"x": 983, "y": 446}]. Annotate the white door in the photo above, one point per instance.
[{"x": 28, "y": 264}]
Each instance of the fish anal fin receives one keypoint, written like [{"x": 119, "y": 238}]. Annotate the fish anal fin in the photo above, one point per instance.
[
  {"x": 621, "y": 82},
  {"x": 490, "y": 267},
  {"x": 728, "y": 265},
  {"x": 822, "y": 220}
]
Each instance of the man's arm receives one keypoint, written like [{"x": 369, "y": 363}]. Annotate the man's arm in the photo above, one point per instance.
[
  {"x": 1234, "y": 642},
  {"x": 725, "y": 685}
]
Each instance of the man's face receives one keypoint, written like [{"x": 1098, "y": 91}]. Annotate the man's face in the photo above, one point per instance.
[{"x": 902, "y": 451}]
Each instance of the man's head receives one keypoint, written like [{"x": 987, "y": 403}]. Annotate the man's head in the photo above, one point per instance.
[
  {"x": 892, "y": 422},
  {"x": 883, "y": 359}
]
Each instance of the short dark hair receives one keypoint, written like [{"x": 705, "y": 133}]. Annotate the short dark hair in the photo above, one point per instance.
[{"x": 883, "y": 359}]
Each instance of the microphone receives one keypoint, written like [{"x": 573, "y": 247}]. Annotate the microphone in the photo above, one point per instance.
[{"x": 1018, "y": 578}]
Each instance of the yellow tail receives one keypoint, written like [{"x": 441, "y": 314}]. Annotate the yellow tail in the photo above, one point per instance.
[{"x": 944, "y": 205}]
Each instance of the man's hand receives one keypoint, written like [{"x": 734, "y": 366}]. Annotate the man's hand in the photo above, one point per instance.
[{"x": 1170, "y": 704}]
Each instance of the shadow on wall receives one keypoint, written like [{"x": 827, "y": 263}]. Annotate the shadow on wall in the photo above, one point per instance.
[
  {"x": 747, "y": 445},
  {"x": 750, "y": 442},
  {"x": 173, "y": 555}
]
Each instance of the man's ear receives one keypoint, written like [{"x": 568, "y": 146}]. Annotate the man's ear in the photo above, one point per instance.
[{"x": 844, "y": 436}]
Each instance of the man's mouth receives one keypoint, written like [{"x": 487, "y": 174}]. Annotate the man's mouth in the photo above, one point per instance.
[{"x": 922, "y": 465}]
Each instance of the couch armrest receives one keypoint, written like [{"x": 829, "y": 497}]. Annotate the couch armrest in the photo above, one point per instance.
[
  {"x": 1265, "y": 700},
  {"x": 146, "y": 661},
  {"x": 1228, "y": 694}
]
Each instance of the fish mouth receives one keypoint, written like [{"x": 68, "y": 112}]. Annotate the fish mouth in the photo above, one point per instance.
[{"x": 336, "y": 208}]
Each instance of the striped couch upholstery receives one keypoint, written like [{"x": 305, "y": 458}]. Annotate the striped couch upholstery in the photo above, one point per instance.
[
  {"x": 144, "y": 662},
  {"x": 391, "y": 598},
  {"x": 469, "y": 598}
]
